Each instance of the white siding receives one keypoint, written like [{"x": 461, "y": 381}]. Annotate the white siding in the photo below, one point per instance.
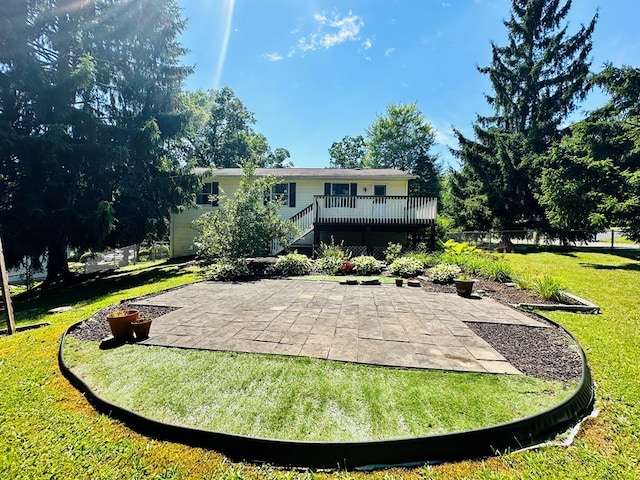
[{"x": 183, "y": 233}]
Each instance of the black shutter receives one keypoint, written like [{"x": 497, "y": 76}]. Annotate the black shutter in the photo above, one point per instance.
[
  {"x": 292, "y": 194},
  {"x": 327, "y": 189},
  {"x": 354, "y": 189},
  {"x": 215, "y": 190}
]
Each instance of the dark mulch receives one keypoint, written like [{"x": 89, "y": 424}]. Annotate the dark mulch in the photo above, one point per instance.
[
  {"x": 546, "y": 353},
  {"x": 96, "y": 327}
]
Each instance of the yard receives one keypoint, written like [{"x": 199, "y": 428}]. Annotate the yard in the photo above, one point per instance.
[{"x": 49, "y": 430}]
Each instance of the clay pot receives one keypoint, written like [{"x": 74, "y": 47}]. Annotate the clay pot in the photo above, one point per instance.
[
  {"x": 141, "y": 328},
  {"x": 121, "y": 324}
]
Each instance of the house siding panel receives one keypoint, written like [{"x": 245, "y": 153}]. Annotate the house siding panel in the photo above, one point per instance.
[{"x": 306, "y": 188}]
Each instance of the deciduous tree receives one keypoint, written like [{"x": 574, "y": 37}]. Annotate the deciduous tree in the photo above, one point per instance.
[
  {"x": 227, "y": 137},
  {"x": 350, "y": 152},
  {"x": 245, "y": 224},
  {"x": 402, "y": 139}
]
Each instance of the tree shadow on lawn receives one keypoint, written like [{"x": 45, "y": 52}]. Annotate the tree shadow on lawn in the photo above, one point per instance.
[
  {"x": 628, "y": 253},
  {"x": 88, "y": 288},
  {"x": 633, "y": 267}
]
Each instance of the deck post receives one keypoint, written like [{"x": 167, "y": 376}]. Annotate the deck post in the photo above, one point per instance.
[
  {"x": 432, "y": 240},
  {"x": 316, "y": 240}
]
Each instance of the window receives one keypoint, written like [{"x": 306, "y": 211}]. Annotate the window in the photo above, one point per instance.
[
  {"x": 280, "y": 193},
  {"x": 284, "y": 192},
  {"x": 380, "y": 190},
  {"x": 349, "y": 190},
  {"x": 340, "y": 189},
  {"x": 209, "y": 189}
]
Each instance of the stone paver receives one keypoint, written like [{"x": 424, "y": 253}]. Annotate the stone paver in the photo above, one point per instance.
[{"x": 375, "y": 324}]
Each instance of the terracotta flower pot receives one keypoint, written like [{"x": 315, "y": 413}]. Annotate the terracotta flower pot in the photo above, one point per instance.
[
  {"x": 120, "y": 323},
  {"x": 141, "y": 328}
]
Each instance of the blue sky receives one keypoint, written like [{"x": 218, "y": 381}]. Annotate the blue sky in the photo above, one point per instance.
[{"x": 314, "y": 71}]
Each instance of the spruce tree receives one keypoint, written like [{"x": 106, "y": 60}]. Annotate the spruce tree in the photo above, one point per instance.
[
  {"x": 88, "y": 103},
  {"x": 538, "y": 79}
]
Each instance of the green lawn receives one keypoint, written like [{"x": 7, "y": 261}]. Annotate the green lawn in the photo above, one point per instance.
[
  {"x": 298, "y": 398},
  {"x": 49, "y": 431}
]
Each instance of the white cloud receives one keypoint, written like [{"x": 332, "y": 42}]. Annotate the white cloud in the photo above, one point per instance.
[
  {"x": 273, "y": 57},
  {"x": 330, "y": 32},
  {"x": 389, "y": 51}
]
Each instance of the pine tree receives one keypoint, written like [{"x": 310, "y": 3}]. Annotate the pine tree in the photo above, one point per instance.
[
  {"x": 538, "y": 79},
  {"x": 88, "y": 94}
]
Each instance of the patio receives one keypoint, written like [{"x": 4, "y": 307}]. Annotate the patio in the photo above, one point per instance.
[{"x": 372, "y": 324}]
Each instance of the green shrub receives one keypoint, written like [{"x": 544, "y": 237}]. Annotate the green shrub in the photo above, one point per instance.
[
  {"x": 427, "y": 259},
  {"x": 432, "y": 259},
  {"x": 366, "y": 265},
  {"x": 458, "y": 248},
  {"x": 522, "y": 283},
  {"x": 498, "y": 270},
  {"x": 547, "y": 287},
  {"x": 226, "y": 270},
  {"x": 392, "y": 252},
  {"x": 328, "y": 265},
  {"x": 406, "y": 267},
  {"x": 331, "y": 250},
  {"x": 293, "y": 265},
  {"x": 444, "y": 273}
]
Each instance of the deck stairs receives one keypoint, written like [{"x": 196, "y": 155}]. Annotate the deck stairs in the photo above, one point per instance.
[{"x": 304, "y": 221}]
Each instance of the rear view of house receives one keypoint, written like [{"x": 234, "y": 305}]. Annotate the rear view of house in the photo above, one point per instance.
[{"x": 365, "y": 208}]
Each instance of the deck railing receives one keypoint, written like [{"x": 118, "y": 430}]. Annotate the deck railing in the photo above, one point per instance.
[{"x": 391, "y": 210}]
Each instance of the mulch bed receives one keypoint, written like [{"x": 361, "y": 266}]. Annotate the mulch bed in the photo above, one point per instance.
[{"x": 545, "y": 353}]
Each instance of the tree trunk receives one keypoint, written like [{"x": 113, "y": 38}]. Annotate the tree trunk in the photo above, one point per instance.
[{"x": 57, "y": 265}]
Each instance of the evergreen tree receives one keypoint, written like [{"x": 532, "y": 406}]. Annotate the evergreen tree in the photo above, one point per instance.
[
  {"x": 538, "y": 78},
  {"x": 592, "y": 178},
  {"x": 88, "y": 97}
]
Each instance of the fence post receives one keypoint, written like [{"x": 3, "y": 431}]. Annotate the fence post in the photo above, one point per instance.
[
  {"x": 6, "y": 297},
  {"x": 612, "y": 235}
]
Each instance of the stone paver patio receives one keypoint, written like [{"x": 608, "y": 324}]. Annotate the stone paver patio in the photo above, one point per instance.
[{"x": 374, "y": 324}]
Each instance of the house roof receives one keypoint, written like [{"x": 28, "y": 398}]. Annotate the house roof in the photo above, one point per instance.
[{"x": 328, "y": 173}]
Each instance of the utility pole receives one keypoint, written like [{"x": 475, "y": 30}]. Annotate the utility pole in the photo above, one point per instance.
[{"x": 6, "y": 298}]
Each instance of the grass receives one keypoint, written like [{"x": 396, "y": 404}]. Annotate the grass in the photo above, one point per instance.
[
  {"x": 49, "y": 431},
  {"x": 297, "y": 398}
]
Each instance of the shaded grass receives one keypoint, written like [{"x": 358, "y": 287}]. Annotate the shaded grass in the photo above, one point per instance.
[{"x": 297, "y": 398}]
